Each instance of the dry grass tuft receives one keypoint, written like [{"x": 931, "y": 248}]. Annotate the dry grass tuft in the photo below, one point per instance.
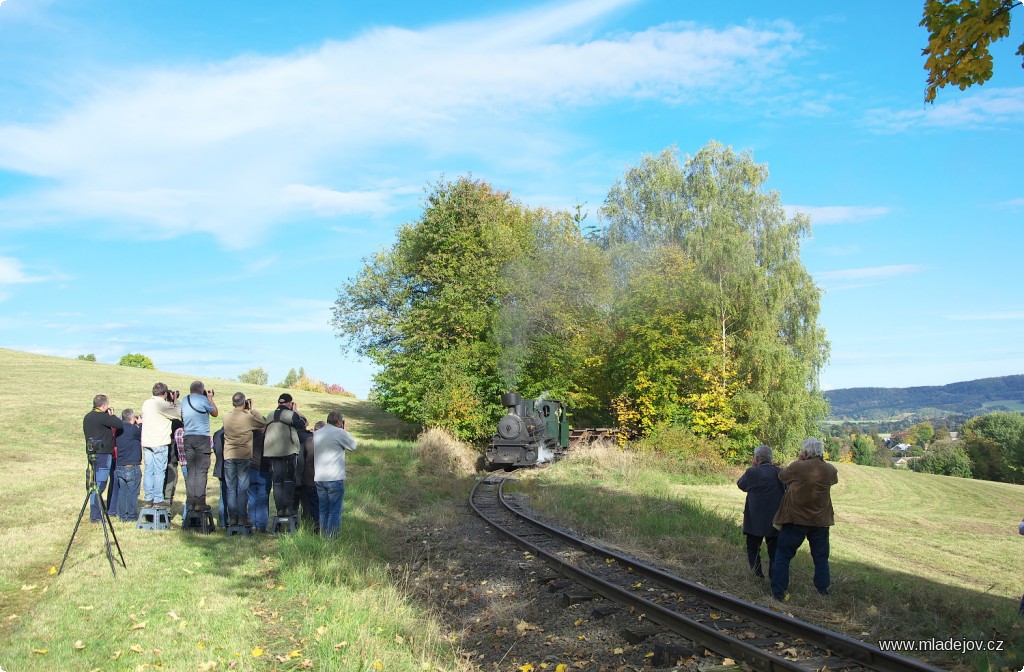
[
  {"x": 438, "y": 453},
  {"x": 604, "y": 452}
]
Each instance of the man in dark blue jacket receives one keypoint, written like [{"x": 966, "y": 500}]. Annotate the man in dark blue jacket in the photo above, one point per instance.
[
  {"x": 764, "y": 496},
  {"x": 129, "y": 466}
]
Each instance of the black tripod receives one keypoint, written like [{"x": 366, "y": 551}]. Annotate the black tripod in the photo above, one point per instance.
[{"x": 108, "y": 527}]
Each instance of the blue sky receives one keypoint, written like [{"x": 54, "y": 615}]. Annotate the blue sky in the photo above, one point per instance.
[{"x": 194, "y": 180}]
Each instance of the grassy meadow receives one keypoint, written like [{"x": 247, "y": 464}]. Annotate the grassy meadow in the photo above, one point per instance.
[
  {"x": 913, "y": 555},
  {"x": 189, "y": 601}
]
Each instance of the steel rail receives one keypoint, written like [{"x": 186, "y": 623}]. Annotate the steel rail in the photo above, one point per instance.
[{"x": 865, "y": 654}]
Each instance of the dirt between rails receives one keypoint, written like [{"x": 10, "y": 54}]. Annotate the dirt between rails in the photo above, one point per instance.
[{"x": 507, "y": 610}]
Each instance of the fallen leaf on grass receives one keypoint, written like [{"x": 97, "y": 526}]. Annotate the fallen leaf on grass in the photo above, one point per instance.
[
  {"x": 377, "y": 665},
  {"x": 560, "y": 667},
  {"x": 139, "y": 626},
  {"x": 714, "y": 616},
  {"x": 728, "y": 662},
  {"x": 208, "y": 666},
  {"x": 53, "y": 570},
  {"x": 791, "y": 652},
  {"x": 578, "y": 622},
  {"x": 306, "y": 664},
  {"x": 136, "y": 648},
  {"x": 117, "y": 654},
  {"x": 79, "y": 645},
  {"x": 173, "y": 616},
  {"x": 399, "y": 639},
  {"x": 41, "y": 651},
  {"x": 295, "y": 654},
  {"x": 187, "y": 570},
  {"x": 28, "y": 587},
  {"x": 618, "y": 651},
  {"x": 523, "y": 626},
  {"x": 13, "y": 617},
  {"x": 340, "y": 645},
  {"x": 526, "y": 667},
  {"x": 86, "y": 607},
  {"x": 257, "y": 652}
]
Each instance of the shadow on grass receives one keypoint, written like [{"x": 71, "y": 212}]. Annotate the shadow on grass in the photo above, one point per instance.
[{"x": 869, "y": 602}]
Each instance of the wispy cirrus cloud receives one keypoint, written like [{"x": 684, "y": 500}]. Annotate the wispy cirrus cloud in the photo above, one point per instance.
[
  {"x": 13, "y": 272},
  {"x": 837, "y": 214},
  {"x": 986, "y": 108},
  {"x": 850, "y": 278},
  {"x": 256, "y": 141}
]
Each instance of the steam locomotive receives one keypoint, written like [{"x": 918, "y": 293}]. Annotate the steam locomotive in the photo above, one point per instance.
[{"x": 534, "y": 431}]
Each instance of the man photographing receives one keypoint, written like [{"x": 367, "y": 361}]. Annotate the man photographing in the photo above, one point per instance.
[
  {"x": 196, "y": 410},
  {"x": 158, "y": 411},
  {"x": 99, "y": 426},
  {"x": 281, "y": 445}
]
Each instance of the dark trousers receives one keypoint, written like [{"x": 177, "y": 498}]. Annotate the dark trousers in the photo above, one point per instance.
[
  {"x": 282, "y": 473},
  {"x": 790, "y": 539},
  {"x": 754, "y": 552},
  {"x": 113, "y": 488},
  {"x": 129, "y": 478},
  {"x": 102, "y": 476},
  {"x": 310, "y": 505},
  {"x": 197, "y": 455}
]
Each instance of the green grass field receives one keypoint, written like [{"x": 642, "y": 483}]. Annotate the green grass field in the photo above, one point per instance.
[{"x": 913, "y": 555}]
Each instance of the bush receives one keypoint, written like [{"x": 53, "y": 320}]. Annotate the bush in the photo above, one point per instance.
[
  {"x": 334, "y": 388},
  {"x": 438, "y": 453},
  {"x": 698, "y": 454},
  {"x": 257, "y": 376},
  {"x": 136, "y": 360},
  {"x": 87, "y": 358},
  {"x": 309, "y": 385}
]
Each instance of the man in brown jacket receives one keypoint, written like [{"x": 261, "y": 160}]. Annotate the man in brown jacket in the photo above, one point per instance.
[
  {"x": 238, "y": 427},
  {"x": 806, "y": 512}
]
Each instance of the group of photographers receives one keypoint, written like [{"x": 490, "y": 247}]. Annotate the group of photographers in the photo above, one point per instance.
[{"x": 254, "y": 453}]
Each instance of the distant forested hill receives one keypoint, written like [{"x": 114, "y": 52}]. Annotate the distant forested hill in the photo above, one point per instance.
[{"x": 968, "y": 398}]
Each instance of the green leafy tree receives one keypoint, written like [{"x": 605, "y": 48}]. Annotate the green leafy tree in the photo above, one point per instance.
[
  {"x": 257, "y": 376},
  {"x": 941, "y": 432},
  {"x": 452, "y": 317},
  {"x": 863, "y": 449},
  {"x": 87, "y": 358},
  {"x": 960, "y": 33},
  {"x": 749, "y": 295},
  {"x": 995, "y": 445},
  {"x": 946, "y": 458},
  {"x": 136, "y": 360},
  {"x": 289, "y": 379},
  {"x": 919, "y": 434}
]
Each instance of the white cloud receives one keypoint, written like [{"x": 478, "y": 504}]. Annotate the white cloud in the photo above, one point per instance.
[
  {"x": 837, "y": 214},
  {"x": 12, "y": 272},
  {"x": 985, "y": 108},
  {"x": 851, "y": 278},
  {"x": 1013, "y": 203},
  {"x": 250, "y": 142}
]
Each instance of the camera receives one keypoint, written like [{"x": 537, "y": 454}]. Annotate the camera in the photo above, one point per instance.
[
  {"x": 210, "y": 393},
  {"x": 248, "y": 404},
  {"x": 93, "y": 446},
  {"x": 172, "y": 395}
]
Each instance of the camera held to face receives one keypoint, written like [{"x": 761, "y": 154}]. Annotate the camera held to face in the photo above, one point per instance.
[{"x": 172, "y": 395}]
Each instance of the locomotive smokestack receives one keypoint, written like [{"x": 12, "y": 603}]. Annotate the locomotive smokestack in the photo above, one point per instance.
[{"x": 511, "y": 399}]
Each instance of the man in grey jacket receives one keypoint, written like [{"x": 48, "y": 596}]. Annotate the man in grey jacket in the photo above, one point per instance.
[{"x": 329, "y": 445}]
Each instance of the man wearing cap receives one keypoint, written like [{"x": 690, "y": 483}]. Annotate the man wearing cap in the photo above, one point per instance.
[
  {"x": 238, "y": 431},
  {"x": 281, "y": 446},
  {"x": 196, "y": 410}
]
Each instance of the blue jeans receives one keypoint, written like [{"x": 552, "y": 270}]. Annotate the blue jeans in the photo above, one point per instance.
[
  {"x": 153, "y": 479},
  {"x": 330, "y": 494},
  {"x": 102, "y": 474},
  {"x": 259, "y": 498},
  {"x": 790, "y": 539},
  {"x": 236, "y": 484},
  {"x": 128, "y": 481}
]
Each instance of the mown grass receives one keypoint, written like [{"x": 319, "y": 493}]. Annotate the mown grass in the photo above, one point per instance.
[
  {"x": 187, "y": 601},
  {"x": 914, "y": 556}
]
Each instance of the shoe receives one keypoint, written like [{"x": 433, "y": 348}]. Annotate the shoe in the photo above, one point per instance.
[
  {"x": 824, "y": 592},
  {"x": 781, "y": 597}
]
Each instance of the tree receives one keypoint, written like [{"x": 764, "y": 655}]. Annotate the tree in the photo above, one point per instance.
[
  {"x": 87, "y": 358},
  {"x": 863, "y": 450},
  {"x": 945, "y": 457},
  {"x": 257, "y": 376},
  {"x": 995, "y": 444},
  {"x": 469, "y": 302},
  {"x": 289, "y": 379},
  {"x": 919, "y": 434},
  {"x": 960, "y": 33},
  {"x": 139, "y": 361},
  {"x": 748, "y": 294}
]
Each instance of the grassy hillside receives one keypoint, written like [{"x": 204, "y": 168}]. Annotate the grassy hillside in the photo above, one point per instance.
[{"x": 914, "y": 556}]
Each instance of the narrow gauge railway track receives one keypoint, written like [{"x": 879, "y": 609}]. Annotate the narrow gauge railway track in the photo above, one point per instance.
[{"x": 745, "y": 632}]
